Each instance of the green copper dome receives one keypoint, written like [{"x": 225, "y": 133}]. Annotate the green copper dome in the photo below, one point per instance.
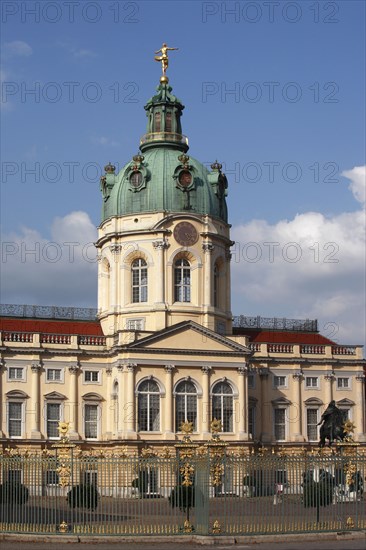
[{"x": 163, "y": 178}]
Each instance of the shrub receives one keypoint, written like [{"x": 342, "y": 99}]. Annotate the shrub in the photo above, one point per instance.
[
  {"x": 13, "y": 493},
  {"x": 182, "y": 497},
  {"x": 83, "y": 496},
  {"x": 317, "y": 493}
]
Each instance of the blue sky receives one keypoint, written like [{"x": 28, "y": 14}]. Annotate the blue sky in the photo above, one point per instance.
[{"x": 275, "y": 91}]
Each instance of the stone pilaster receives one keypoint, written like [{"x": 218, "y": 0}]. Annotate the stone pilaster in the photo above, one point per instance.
[
  {"x": 109, "y": 405},
  {"x": 359, "y": 417},
  {"x": 73, "y": 402},
  {"x": 168, "y": 410},
  {"x": 242, "y": 420},
  {"x": 266, "y": 407},
  {"x": 130, "y": 409},
  {"x": 206, "y": 412},
  {"x": 329, "y": 378},
  {"x": 297, "y": 428},
  {"x": 35, "y": 401}
]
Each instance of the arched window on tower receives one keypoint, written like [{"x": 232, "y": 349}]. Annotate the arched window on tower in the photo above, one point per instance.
[
  {"x": 148, "y": 415},
  {"x": 157, "y": 121},
  {"x": 182, "y": 280},
  {"x": 168, "y": 121},
  {"x": 139, "y": 280},
  {"x": 216, "y": 289},
  {"x": 185, "y": 404},
  {"x": 222, "y": 405}
]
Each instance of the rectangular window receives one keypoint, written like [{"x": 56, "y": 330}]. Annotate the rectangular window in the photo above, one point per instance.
[
  {"x": 280, "y": 424},
  {"x": 53, "y": 375},
  {"x": 91, "y": 421},
  {"x": 280, "y": 381},
  {"x": 51, "y": 477},
  {"x": 14, "y": 476},
  {"x": 91, "y": 376},
  {"x": 91, "y": 478},
  {"x": 53, "y": 417},
  {"x": 15, "y": 373},
  {"x": 345, "y": 414},
  {"x": 312, "y": 381},
  {"x": 250, "y": 381},
  {"x": 311, "y": 424},
  {"x": 15, "y": 419},
  {"x": 343, "y": 383},
  {"x": 135, "y": 324}
]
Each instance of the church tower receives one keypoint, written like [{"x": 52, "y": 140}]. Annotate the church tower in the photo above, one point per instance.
[{"x": 164, "y": 238}]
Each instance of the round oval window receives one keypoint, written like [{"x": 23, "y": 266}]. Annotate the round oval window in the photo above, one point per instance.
[
  {"x": 185, "y": 178},
  {"x": 136, "y": 179}
]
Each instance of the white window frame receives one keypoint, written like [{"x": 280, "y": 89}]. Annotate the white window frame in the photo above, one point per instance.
[
  {"x": 92, "y": 474},
  {"x": 99, "y": 376},
  {"x": 94, "y": 404},
  {"x": 135, "y": 323},
  {"x": 53, "y": 381},
  {"x": 140, "y": 285},
  {"x": 15, "y": 470},
  {"x": 312, "y": 387},
  {"x": 22, "y": 418},
  {"x": 15, "y": 368},
  {"x": 285, "y": 409},
  {"x": 61, "y": 417},
  {"x": 182, "y": 290},
  {"x": 150, "y": 395},
  {"x": 312, "y": 407},
  {"x": 341, "y": 387},
  {"x": 220, "y": 398},
  {"x": 276, "y": 383},
  {"x": 45, "y": 477}
]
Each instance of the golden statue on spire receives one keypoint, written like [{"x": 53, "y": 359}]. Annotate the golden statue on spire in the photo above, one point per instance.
[{"x": 163, "y": 58}]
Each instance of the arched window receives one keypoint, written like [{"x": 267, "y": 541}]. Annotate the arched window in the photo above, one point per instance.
[
  {"x": 216, "y": 294},
  {"x": 157, "y": 127},
  {"x": 185, "y": 404},
  {"x": 222, "y": 405},
  {"x": 168, "y": 121},
  {"x": 148, "y": 416},
  {"x": 182, "y": 280},
  {"x": 139, "y": 280}
]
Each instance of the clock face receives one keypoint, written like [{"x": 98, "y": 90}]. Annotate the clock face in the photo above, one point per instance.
[{"x": 185, "y": 234}]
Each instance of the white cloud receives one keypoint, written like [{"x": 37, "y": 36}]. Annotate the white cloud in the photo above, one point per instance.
[
  {"x": 61, "y": 270},
  {"x": 358, "y": 182},
  {"x": 17, "y": 48},
  {"x": 312, "y": 266}
]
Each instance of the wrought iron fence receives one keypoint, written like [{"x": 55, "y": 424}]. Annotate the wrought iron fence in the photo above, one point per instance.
[{"x": 204, "y": 490}]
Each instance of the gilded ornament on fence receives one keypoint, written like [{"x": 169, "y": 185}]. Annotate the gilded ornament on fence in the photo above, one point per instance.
[
  {"x": 186, "y": 428},
  {"x": 350, "y": 470},
  {"x": 63, "y": 527},
  {"x": 350, "y": 523},
  {"x": 216, "y": 528},
  {"x": 63, "y": 429},
  {"x": 188, "y": 527}
]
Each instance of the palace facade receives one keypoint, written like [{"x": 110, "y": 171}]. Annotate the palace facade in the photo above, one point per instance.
[{"x": 163, "y": 347}]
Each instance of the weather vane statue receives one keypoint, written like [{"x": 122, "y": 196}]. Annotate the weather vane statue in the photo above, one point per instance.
[{"x": 164, "y": 60}]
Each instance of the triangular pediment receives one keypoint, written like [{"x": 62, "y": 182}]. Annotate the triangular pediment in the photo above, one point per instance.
[{"x": 190, "y": 337}]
